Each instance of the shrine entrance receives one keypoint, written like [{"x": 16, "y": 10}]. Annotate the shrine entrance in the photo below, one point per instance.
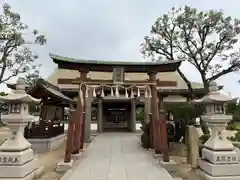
[{"x": 116, "y": 116}]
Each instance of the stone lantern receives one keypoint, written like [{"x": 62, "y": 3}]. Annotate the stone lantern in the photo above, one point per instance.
[
  {"x": 16, "y": 156},
  {"x": 219, "y": 158}
]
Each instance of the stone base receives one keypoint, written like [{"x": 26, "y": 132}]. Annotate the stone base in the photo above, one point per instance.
[
  {"x": 220, "y": 157},
  {"x": 77, "y": 156},
  {"x": 19, "y": 171},
  {"x": 63, "y": 167},
  {"x": 47, "y": 144},
  {"x": 16, "y": 158},
  {"x": 166, "y": 163},
  {"x": 82, "y": 150},
  {"x": 156, "y": 156},
  {"x": 206, "y": 176},
  {"x": 33, "y": 175},
  {"x": 219, "y": 169}
]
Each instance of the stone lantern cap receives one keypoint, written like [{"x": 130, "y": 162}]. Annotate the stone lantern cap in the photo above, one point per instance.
[
  {"x": 20, "y": 95},
  {"x": 215, "y": 96}
]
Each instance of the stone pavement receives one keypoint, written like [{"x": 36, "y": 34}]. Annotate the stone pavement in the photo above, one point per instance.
[{"x": 117, "y": 156}]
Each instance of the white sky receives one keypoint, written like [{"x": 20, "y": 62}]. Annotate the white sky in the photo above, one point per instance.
[{"x": 107, "y": 29}]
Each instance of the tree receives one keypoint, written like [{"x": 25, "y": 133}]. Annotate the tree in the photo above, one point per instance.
[
  {"x": 207, "y": 40},
  {"x": 32, "y": 77},
  {"x": 3, "y": 107},
  {"x": 16, "y": 56}
]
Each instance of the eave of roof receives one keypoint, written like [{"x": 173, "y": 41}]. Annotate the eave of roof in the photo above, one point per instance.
[
  {"x": 46, "y": 86},
  {"x": 101, "y": 65}
]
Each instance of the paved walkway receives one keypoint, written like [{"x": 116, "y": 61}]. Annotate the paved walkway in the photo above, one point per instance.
[{"x": 118, "y": 156}]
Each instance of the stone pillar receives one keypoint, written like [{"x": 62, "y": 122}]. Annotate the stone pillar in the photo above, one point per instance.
[
  {"x": 100, "y": 116},
  {"x": 133, "y": 116},
  {"x": 88, "y": 116},
  {"x": 154, "y": 107}
]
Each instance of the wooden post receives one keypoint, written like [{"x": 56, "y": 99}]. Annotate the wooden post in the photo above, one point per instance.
[
  {"x": 83, "y": 131},
  {"x": 83, "y": 118},
  {"x": 70, "y": 133},
  {"x": 154, "y": 106},
  {"x": 151, "y": 130},
  {"x": 78, "y": 121},
  {"x": 164, "y": 135}
]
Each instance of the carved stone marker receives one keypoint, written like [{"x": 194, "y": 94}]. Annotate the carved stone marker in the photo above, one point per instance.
[{"x": 17, "y": 160}]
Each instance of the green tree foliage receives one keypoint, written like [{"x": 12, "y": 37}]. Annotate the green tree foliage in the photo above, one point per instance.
[
  {"x": 32, "y": 77},
  {"x": 207, "y": 40},
  {"x": 184, "y": 111},
  {"x": 140, "y": 114},
  {"x": 16, "y": 56},
  {"x": 3, "y": 106}
]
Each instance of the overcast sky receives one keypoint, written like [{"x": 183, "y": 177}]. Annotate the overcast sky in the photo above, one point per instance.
[{"x": 107, "y": 29}]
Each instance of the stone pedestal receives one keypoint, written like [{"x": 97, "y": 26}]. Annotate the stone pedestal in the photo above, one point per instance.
[
  {"x": 220, "y": 165},
  {"x": 18, "y": 162}
]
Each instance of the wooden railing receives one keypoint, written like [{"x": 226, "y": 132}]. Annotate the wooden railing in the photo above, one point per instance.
[{"x": 44, "y": 130}]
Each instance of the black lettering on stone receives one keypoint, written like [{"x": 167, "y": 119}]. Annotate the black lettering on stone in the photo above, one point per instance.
[
  {"x": 218, "y": 158},
  {"x": 4, "y": 159},
  {"x": 229, "y": 158},
  {"x": 10, "y": 160},
  {"x": 15, "y": 160},
  {"x": 223, "y": 158},
  {"x": 234, "y": 158}
]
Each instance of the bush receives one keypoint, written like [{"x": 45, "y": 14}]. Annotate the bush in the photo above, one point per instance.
[
  {"x": 236, "y": 138},
  {"x": 233, "y": 127}
]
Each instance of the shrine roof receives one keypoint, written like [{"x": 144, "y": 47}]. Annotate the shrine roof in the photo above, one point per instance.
[
  {"x": 102, "y": 65},
  {"x": 46, "y": 88}
]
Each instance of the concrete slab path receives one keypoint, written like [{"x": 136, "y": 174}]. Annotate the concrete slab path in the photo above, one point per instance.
[{"x": 117, "y": 156}]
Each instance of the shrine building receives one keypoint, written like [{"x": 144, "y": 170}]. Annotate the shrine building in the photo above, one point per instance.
[{"x": 114, "y": 90}]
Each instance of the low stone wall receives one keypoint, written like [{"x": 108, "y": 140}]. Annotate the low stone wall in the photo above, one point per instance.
[
  {"x": 178, "y": 149},
  {"x": 47, "y": 144}
]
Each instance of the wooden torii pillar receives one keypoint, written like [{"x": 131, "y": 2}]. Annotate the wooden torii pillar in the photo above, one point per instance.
[
  {"x": 154, "y": 109},
  {"x": 76, "y": 124},
  {"x": 158, "y": 121},
  {"x": 81, "y": 105}
]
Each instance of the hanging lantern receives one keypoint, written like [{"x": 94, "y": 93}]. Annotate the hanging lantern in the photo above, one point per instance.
[
  {"x": 126, "y": 93},
  {"x": 138, "y": 93},
  {"x": 86, "y": 91},
  {"x": 117, "y": 91},
  {"x": 94, "y": 92},
  {"x": 102, "y": 92},
  {"x": 112, "y": 92},
  {"x": 132, "y": 94}
]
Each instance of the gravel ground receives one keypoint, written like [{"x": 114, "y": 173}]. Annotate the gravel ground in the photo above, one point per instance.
[{"x": 181, "y": 169}]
